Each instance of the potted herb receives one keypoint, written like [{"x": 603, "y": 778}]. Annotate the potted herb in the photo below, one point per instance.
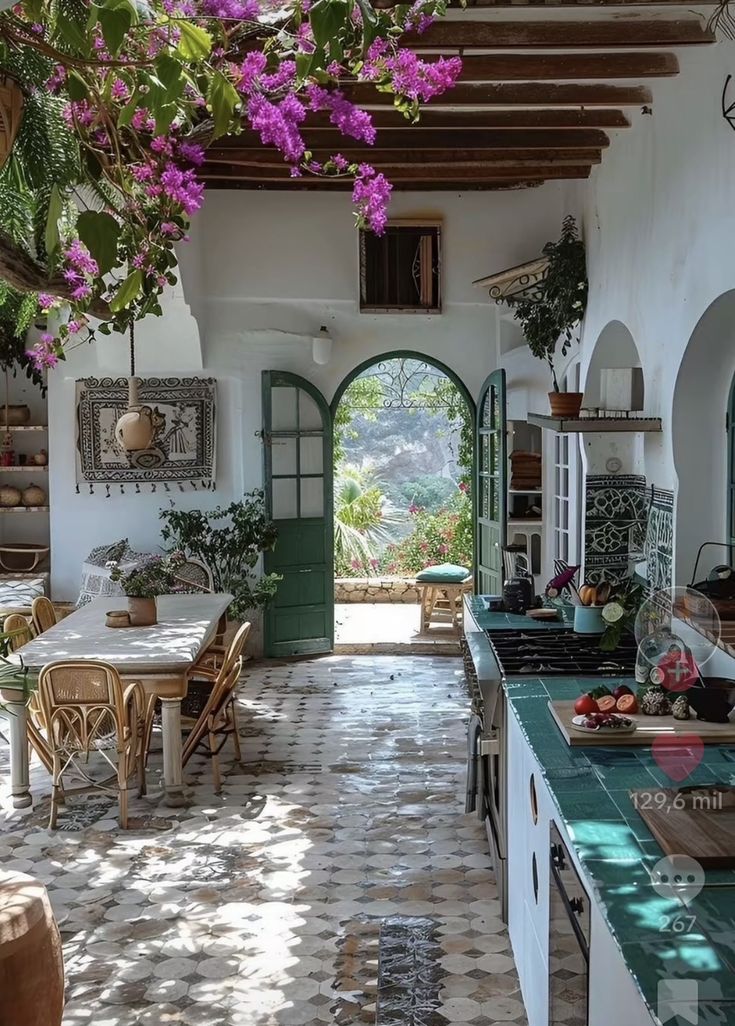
[
  {"x": 555, "y": 310},
  {"x": 155, "y": 576},
  {"x": 230, "y": 540}
]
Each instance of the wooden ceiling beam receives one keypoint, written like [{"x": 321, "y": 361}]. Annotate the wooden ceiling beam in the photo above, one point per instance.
[
  {"x": 559, "y": 67},
  {"x": 299, "y": 185},
  {"x": 515, "y": 94},
  {"x": 411, "y": 157},
  {"x": 427, "y": 138},
  {"x": 414, "y": 173},
  {"x": 392, "y": 120},
  {"x": 446, "y": 34}
]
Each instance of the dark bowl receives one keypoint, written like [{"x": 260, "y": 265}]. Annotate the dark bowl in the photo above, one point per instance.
[{"x": 715, "y": 701}]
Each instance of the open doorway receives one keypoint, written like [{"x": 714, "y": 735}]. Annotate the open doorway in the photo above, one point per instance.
[{"x": 403, "y": 472}]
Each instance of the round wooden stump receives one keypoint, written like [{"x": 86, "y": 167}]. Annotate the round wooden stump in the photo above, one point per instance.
[{"x": 31, "y": 964}]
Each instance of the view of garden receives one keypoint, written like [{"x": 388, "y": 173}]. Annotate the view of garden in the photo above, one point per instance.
[{"x": 403, "y": 468}]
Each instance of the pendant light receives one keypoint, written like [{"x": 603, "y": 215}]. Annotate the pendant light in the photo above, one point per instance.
[{"x": 321, "y": 348}]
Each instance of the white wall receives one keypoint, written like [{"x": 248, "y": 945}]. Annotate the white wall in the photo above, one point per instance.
[
  {"x": 659, "y": 226},
  {"x": 262, "y": 273}
]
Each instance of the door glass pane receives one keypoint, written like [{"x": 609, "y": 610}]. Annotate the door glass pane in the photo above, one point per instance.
[
  {"x": 283, "y": 455},
  {"x": 312, "y": 454},
  {"x": 283, "y": 408},
  {"x": 284, "y": 499},
  {"x": 312, "y": 497},
  {"x": 310, "y": 416}
]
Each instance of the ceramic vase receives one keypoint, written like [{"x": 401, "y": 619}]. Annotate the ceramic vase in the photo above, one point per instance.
[{"x": 134, "y": 431}]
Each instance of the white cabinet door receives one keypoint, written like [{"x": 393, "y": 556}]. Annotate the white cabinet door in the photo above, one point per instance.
[{"x": 614, "y": 997}]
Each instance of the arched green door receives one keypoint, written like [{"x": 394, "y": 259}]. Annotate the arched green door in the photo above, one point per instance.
[
  {"x": 297, "y": 446},
  {"x": 492, "y": 525}
]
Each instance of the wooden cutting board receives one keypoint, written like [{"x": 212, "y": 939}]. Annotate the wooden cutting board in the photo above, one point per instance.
[
  {"x": 649, "y": 727},
  {"x": 704, "y": 829}
]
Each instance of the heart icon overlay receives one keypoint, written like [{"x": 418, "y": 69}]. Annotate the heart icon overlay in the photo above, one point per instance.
[{"x": 678, "y": 756}]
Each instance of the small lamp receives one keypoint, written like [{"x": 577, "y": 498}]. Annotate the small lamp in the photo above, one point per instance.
[{"x": 321, "y": 348}]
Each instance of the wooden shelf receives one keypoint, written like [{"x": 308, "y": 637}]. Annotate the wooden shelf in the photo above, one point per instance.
[
  {"x": 23, "y": 575},
  {"x": 24, "y": 427},
  {"x": 32, "y": 468},
  {"x": 525, "y": 491},
  {"x": 24, "y": 509},
  {"x": 582, "y": 425}
]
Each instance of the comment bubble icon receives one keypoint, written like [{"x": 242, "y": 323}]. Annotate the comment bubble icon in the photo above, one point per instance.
[{"x": 678, "y": 876}]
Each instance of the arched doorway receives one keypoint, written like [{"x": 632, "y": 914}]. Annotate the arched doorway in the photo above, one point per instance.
[
  {"x": 403, "y": 490},
  {"x": 298, "y": 476}
]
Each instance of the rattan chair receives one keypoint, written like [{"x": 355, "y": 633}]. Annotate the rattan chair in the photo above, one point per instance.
[
  {"x": 217, "y": 721},
  {"x": 43, "y": 614},
  {"x": 20, "y": 630},
  {"x": 89, "y": 711},
  {"x": 195, "y": 576}
]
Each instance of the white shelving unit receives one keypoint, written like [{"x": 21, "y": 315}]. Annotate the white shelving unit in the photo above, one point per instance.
[{"x": 524, "y": 529}]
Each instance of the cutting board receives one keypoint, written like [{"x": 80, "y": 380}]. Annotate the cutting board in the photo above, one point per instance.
[
  {"x": 649, "y": 727},
  {"x": 704, "y": 829}
]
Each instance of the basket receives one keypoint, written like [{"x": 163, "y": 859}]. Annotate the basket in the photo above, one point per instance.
[{"x": 22, "y": 557}]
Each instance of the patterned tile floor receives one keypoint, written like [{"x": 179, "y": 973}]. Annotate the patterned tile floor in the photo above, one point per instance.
[{"x": 335, "y": 880}]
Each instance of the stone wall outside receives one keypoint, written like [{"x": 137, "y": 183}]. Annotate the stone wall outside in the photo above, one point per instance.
[{"x": 375, "y": 589}]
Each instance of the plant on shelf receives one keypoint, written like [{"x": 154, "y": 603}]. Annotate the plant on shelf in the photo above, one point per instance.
[
  {"x": 556, "y": 309},
  {"x": 230, "y": 540}
]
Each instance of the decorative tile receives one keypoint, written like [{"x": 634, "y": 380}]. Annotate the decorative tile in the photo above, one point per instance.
[
  {"x": 615, "y": 517},
  {"x": 335, "y": 880}
]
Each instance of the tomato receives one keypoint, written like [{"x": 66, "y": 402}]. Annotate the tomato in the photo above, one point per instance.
[
  {"x": 622, "y": 689},
  {"x": 606, "y": 703},
  {"x": 585, "y": 705},
  {"x": 627, "y": 704}
]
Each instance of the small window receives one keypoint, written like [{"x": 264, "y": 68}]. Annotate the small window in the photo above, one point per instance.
[{"x": 400, "y": 270}]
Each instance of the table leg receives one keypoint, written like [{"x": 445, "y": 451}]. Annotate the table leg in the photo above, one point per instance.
[
  {"x": 173, "y": 780},
  {"x": 19, "y": 779}
]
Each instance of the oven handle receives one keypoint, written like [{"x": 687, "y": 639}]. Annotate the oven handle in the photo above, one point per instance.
[
  {"x": 571, "y": 912},
  {"x": 474, "y": 730}
]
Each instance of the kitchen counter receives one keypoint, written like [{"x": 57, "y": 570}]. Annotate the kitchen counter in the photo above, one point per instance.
[
  {"x": 614, "y": 848},
  {"x": 484, "y": 620}
]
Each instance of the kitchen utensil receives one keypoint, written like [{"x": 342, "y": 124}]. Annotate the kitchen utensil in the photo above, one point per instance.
[
  {"x": 602, "y": 593},
  {"x": 542, "y": 614},
  {"x": 704, "y": 829},
  {"x": 649, "y": 727},
  {"x": 714, "y": 700},
  {"x": 518, "y": 590}
]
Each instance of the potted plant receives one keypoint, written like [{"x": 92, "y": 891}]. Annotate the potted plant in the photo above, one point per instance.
[
  {"x": 556, "y": 308},
  {"x": 230, "y": 540},
  {"x": 154, "y": 576}
]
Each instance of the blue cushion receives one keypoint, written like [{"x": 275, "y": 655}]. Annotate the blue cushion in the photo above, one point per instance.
[{"x": 445, "y": 573}]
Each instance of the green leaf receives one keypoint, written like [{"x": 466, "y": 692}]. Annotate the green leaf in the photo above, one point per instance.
[
  {"x": 327, "y": 18},
  {"x": 128, "y": 291},
  {"x": 55, "y": 209},
  {"x": 222, "y": 98},
  {"x": 76, "y": 86},
  {"x": 370, "y": 24},
  {"x": 126, "y": 114},
  {"x": 168, "y": 71},
  {"x": 195, "y": 44},
  {"x": 100, "y": 233},
  {"x": 116, "y": 24}
]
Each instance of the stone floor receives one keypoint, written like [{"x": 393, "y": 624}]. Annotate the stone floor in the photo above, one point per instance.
[
  {"x": 336, "y": 879},
  {"x": 381, "y": 628}
]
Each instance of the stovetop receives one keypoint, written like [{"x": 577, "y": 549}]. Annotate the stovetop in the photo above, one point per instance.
[{"x": 560, "y": 653}]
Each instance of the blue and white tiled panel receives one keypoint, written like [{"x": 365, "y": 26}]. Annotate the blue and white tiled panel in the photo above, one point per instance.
[
  {"x": 659, "y": 544},
  {"x": 615, "y": 517}
]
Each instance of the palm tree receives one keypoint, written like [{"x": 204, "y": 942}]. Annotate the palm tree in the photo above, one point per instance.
[{"x": 362, "y": 518}]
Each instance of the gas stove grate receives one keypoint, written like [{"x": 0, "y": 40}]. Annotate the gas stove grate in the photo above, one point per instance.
[{"x": 560, "y": 653}]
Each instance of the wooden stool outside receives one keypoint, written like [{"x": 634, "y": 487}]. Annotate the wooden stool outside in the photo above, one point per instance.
[
  {"x": 442, "y": 604},
  {"x": 31, "y": 964}
]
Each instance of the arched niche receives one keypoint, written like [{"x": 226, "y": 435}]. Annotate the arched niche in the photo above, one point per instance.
[
  {"x": 701, "y": 399},
  {"x": 615, "y": 348}
]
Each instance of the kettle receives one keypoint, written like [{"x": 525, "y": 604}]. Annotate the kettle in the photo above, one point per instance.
[{"x": 519, "y": 593}]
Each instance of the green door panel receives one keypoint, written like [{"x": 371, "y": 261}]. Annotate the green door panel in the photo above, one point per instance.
[
  {"x": 492, "y": 529},
  {"x": 297, "y": 447}
]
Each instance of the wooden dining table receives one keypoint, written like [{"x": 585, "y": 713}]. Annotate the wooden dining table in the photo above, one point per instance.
[{"x": 161, "y": 657}]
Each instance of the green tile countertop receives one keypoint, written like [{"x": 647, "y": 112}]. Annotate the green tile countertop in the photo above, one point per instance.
[
  {"x": 659, "y": 937},
  {"x": 487, "y": 621}
]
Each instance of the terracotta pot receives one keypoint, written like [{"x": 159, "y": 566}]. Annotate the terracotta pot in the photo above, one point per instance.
[
  {"x": 142, "y": 611},
  {"x": 565, "y": 404},
  {"x": 16, "y": 415},
  {"x": 31, "y": 965}
]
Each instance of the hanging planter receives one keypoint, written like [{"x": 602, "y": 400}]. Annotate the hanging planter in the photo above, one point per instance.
[
  {"x": 134, "y": 430},
  {"x": 11, "y": 115}
]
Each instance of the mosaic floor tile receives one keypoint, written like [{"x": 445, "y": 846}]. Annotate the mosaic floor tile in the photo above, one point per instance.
[{"x": 335, "y": 880}]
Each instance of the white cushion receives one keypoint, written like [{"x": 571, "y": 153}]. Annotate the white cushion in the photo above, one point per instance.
[
  {"x": 96, "y": 581},
  {"x": 20, "y": 593}
]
